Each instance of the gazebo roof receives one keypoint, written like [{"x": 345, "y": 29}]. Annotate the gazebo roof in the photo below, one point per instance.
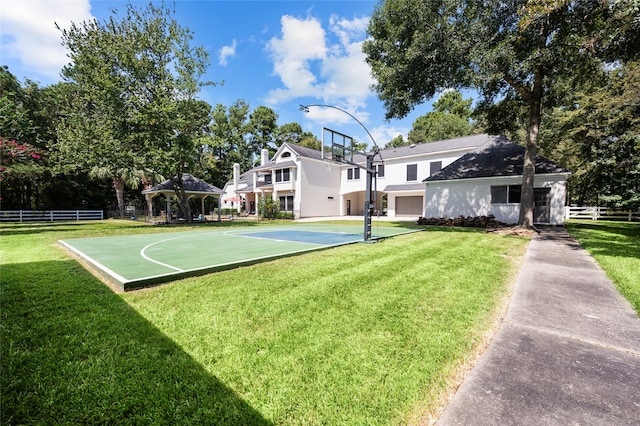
[{"x": 192, "y": 186}]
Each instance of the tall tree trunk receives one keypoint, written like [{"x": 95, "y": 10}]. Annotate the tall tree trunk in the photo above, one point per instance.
[
  {"x": 183, "y": 201},
  {"x": 118, "y": 185},
  {"x": 146, "y": 184},
  {"x": 529, "y": 167}
]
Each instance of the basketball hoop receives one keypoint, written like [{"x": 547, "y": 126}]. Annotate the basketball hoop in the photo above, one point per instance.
[{"x": 339, "y": 152}]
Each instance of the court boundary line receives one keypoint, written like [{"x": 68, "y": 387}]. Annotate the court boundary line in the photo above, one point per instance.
[
  {"x": 92, "y": 261},
  {"x": 247, "y": 235},
  {"x": 119, "y": 283},
  {"x": 223, "y": 266},
  {"x": 252, "y": 233},
  {"x": 144, "y": 256}
]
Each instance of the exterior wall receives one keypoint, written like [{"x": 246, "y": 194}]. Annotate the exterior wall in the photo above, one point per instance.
[
  {"x": 395, "y": 169},
  {"x": 356, "y": 202},
  {"x": 395, "y": 173},
  {"x": 354, "y": 185},
  {"x": 557, "y": 196},
  {"x": 321, "y": 188},
  {"x": 285, "y": 186},
  {"x": 472, "y": 197},
  {"x": 317, "y": 189}
]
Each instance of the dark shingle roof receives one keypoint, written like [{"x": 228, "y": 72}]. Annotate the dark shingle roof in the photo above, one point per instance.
[
  {"x": 303, "y": 151},
  {"x": 298, "y": 150},
  {"x": 465, "y": 143},
  {"x": 191, "y": 185},
  {"x": 496, "y": 157}
]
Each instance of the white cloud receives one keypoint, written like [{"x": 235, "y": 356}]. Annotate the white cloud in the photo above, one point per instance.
[
  {"x": 384, "y": 134},
  {"x": 29, "y": 33},
  {"x": 227, "y": 52},
  {"x": 302, "y": 42},
  {"x": 348, "y": 29},
  {"x": 330, "y": 66}
]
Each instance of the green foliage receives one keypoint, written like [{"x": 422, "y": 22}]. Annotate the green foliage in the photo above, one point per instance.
[
  {"x": 293, "y": 133},
  {"x": 237, "y": 135},
  {"x": 135, "y": 111},
  {"x": 227, "y": 144},
  {"x": 262, "y": 129},
  {"x": 450, "y": 118},
  {"x": 436, "y": 126},
  {"x": 362, "y": 334},
  {"x": 286, "y": 215},
  {"x": 269, "y": 208},
  {"x": 27, "y": 125},
  {"x": 14, "y": 154},
  {"x": 396, "y": 142},
  {"x": 307, "y": 140},
  {"x": 451, "y": 101},
  {"x": 597, "y": 135},
  {"x": 615, "y": 247},
  {"x": 515, "y": 50}
]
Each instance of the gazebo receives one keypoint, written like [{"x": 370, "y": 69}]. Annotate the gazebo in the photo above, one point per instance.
[{"x": 193, "y": 187}]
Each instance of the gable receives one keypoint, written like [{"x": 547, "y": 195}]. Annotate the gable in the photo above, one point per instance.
[{"x": 288, "y": 151}]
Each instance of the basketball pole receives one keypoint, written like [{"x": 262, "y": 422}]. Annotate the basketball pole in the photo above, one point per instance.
[
  {"x": 371, "y": 172},
  {"x": 368, "y": 211}
]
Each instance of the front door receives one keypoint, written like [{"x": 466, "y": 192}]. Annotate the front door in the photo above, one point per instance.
[
  {"x": 348, "y": 207},
  {"x": 541, "y": 205}
]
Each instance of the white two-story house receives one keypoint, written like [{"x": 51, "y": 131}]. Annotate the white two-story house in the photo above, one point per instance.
[{"x": 310, "y": 186}]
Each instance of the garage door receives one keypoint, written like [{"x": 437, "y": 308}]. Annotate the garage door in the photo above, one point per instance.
[{"x": 409, "y": 205}]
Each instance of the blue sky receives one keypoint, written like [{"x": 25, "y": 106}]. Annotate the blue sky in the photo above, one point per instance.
[{"x": 275, "y": 53}]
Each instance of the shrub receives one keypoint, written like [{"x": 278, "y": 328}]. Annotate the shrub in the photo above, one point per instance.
[{"x": 268, "y": 208}]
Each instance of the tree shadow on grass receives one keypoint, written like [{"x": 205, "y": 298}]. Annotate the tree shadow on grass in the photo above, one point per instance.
[
  {"x": 610, "y": 239},
  {"x": 27, "y": 228},
  {"x": 73, "y": 352},
  {"x": 627, "y": 229}
]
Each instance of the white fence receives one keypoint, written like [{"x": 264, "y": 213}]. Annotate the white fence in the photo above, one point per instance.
[
  {"x": 600, "y": 213},
  {"x": 49, "y": 215}
]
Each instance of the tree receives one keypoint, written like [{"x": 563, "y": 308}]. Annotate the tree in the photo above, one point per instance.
[
  {"x": 228, "y": 129},
  {"x": 437, "y": 126},
  {"x": 15, "y": 157},
  {"x": 25, "y": 127},
  {"x": 513, "y": 51},
  {"x": 136, "y": 114},
  {"x": 450, "y": 118},
  {"x": 396, "y": 142},
  {"x": 597, "y": 133},
  {"x": 261, "y": 130},
  {"x": 293, "y": 133},
  {"x": 268, "y": 207},
  {"x": 452, "y": 102},
  {"x": 309, "y": 141}
]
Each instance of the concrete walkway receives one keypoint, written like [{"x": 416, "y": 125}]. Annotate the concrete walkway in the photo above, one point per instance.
[{"x": 568, "y": 352}]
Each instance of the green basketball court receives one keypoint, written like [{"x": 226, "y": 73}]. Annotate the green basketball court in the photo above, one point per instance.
[{"x": 136, "y": 261}]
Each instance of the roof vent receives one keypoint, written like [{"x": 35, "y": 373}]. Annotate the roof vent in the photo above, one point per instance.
[{"x": 413, "y": 145}]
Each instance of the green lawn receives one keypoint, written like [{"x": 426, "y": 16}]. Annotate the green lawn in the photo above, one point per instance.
[
  {"x": 360, "y": 334},
  {"x": 616, "y": 248}
]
